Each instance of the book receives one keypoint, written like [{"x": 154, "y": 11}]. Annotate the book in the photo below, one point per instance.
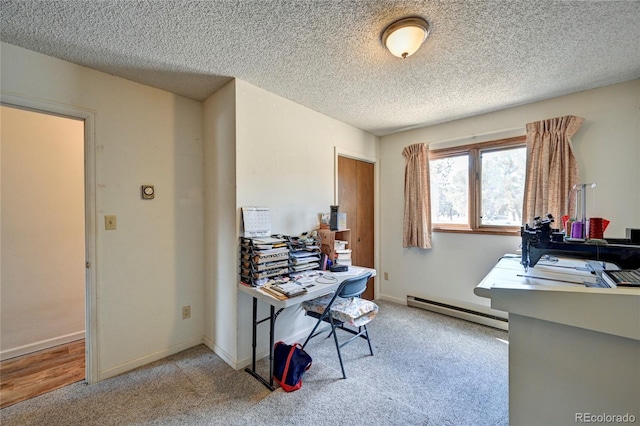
[
  {"x": 340, "y": 245},
  {"x": 343, "y": 254},
  {"x": 289, "y": 289},
  {"x": 273, "y": 293},
  {"x": 622, "y": 278}
]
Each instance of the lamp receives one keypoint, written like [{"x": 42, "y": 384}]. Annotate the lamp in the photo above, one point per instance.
[{"x": 405, "y": 36}]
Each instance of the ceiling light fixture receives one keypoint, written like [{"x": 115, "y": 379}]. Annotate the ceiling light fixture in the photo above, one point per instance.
[{"x": 405, "y": 36}]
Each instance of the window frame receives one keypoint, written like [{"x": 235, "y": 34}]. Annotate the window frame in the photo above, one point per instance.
[{"x": 473, "y": 152}]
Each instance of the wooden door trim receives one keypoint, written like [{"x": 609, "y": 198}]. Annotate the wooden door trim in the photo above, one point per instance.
[
  {"x": 340, "y": 152},
  {"x": 91, "y": 280}
]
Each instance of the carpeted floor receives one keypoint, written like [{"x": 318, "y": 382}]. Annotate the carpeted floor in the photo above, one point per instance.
[{"x": 428, "y": 369}]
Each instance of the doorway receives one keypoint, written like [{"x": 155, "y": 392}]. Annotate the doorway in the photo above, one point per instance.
[
  {"x": 356, "y": 185},
  {"x": 44, "y": 247}
]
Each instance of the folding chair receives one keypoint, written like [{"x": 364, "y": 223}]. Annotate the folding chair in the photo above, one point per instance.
[{"x": 343, "y": 307}]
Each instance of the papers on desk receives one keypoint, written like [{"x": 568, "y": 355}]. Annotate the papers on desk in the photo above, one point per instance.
[
  {"x": 275, "y": 294},
  {"x": 305, "y": 267},
  {"x": 265, "y": 243},
  {"x": 301, "y": 255},
  {"x": 299, "y": 259},
  {"x": 290, "y": 289},
  {"x": 304, "y": 260},
  {"x": 305, "y": 278},
  {"x": 267, "y": 240}
]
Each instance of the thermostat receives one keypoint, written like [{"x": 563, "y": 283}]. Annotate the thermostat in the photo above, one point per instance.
[{"x": 148, "y": 192}]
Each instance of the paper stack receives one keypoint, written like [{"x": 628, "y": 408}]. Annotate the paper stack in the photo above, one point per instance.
[
  {"x": 343, "y": 257},
  {"x": 263, "y": 258}
]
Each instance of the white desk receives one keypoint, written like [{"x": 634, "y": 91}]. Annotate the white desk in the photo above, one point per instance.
[
  {"x": 573, "y": 350},
  {"x": 317, "y": 290}
]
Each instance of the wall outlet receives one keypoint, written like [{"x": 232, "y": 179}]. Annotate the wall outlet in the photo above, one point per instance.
[
  {"x": 386, "y": 276},
  {"x": 186, "y": 312}
]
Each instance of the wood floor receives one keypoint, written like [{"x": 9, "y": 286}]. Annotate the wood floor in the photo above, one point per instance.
[{"x": 33, "y": 374}]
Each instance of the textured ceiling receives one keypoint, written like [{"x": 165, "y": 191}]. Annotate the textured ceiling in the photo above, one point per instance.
[{"x": 481, "y": 55}]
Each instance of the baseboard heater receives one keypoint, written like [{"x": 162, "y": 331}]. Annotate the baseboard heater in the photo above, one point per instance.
[{"x": 462, "y": 313}]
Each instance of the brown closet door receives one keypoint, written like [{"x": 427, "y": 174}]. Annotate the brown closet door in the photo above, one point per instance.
[{"x": 355, "y": 198}]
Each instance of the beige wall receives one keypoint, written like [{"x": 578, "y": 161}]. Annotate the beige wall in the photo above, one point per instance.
[
  {"x": 152, "y": 265},
  {"x": 607, "y": 148},
  {"x": 285, "y": 161},
  {"x": 220, "y": 222},
  {"x": 245, "y": 146},
  {"x": 262, "y": 150},
  {"x": 43, "y": 230}
]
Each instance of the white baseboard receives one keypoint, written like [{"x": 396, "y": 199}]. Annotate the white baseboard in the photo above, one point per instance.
[
  {"x": 459, "y": 312},
  {"x": 264, "y": 351},
  {"x": 393, "y": 299},
  {"x": 226, "y": 357},
  {"x": 43, "y": 344},
  {"x": 139, "y": 362}
]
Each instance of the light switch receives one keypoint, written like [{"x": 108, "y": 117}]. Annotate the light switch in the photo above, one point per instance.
[{"x": 110, "y": 222}]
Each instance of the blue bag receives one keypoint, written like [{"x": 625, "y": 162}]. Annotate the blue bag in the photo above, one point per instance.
[{"x": 289, "y": 364}]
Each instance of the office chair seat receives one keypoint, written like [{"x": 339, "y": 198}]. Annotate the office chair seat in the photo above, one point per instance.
[
  {"x": 343, "y": 307},
  {"x": 351, "y": 310}
]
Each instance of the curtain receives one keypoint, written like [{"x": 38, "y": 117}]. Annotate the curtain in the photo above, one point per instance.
[
  {"x": 552, "y": 170},
  {"x": 417, "y": 203}
]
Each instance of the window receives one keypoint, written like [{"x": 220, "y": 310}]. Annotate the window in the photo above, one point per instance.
[{"x": 478, "y": 188}]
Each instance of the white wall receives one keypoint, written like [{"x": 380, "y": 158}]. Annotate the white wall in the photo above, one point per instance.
[
  {"x": 607, "y": 148},
  {"x": 262, "y": 149},
  {"x": 220, "y": 222},
  {"x": 43, "y": 231},
  {"x": 285, "y": 161},
  {"x": 152, "y": 265}
]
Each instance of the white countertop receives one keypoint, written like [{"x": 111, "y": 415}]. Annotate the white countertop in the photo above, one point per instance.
[
  {"x": 554, "y": 291},
  {"x": 324, "y": 285}
]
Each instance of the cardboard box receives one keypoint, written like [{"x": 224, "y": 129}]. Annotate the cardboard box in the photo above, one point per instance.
[{"x": 342, "y": 221}]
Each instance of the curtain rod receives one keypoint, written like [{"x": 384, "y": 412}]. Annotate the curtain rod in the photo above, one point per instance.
[{"x": 478, "y": 138}]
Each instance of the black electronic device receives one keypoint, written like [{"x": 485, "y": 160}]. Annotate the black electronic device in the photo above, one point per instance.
[
  {"x": 333, "y": 218},
  {"x": 541, "y": 239},
  {"x": 339, "y": 268}
]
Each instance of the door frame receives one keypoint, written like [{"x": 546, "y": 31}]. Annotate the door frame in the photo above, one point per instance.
[
  {"x": 341, "y": 152},
  {"x": 89, "y": 118}
]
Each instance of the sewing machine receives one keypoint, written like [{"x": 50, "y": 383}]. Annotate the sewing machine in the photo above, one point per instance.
[{"x": 542, "y": 239}]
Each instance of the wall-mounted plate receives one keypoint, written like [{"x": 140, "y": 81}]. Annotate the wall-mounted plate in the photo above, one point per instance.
[{"x": 148, "y": 192}]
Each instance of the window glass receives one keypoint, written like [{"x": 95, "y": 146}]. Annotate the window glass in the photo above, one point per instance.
[
  {"x": 450, "y": 190},
  {"x": 479, "y": 188},
  {"x": 502, "y": 186}
]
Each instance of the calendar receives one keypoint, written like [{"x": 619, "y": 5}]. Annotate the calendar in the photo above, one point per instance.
[{"x": 256, "y": 221}]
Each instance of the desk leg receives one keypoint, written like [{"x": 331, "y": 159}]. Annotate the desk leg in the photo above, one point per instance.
[
  {"x": 271, "y": 343},
  {"x": 254, "y": 344},
  {"x": 255, "y": 341},
  {"x": 272, "y": 321}
]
